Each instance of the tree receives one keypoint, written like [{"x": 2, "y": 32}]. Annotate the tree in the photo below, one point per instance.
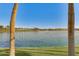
[
  {"x": 12, "y": 30},
  {"x": 1, "y": 27},
  {"x": 71, "y": 47}
]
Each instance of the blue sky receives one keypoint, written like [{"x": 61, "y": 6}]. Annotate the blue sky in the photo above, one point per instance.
[{"x": 41, "y": 15}]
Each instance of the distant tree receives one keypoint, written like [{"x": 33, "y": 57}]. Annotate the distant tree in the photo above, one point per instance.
[
  {"x": 49, "y": 29},
  {"x": 7, "y": 27},
  {"x": 35, "y": 29},
  {"x": 1, "y": 26}
]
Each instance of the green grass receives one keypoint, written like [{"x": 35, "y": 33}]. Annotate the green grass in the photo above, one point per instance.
[{"x": 49, "y": 51}]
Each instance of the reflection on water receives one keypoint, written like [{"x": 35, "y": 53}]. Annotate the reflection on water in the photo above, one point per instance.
[{"x": 38, "y": 39}]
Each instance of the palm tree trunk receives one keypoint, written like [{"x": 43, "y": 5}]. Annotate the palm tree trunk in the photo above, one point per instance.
[
  {"x": 71, "y": 47},
  {"x": 12, "y": 30}
]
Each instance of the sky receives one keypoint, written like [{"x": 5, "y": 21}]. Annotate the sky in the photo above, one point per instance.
[{"x": 40, "y": 15}]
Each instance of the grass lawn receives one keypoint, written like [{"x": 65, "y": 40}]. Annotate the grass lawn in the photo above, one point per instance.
[{"x": 49, "y": 51}]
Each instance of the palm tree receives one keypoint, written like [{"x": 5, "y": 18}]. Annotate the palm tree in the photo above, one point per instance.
[
  {"x": 12, "y": 30},
  {"x": 71, "y": 47}
]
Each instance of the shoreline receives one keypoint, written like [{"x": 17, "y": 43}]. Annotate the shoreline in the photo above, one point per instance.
[
  {"x": 50, "y": 51},
  {"x": 34, "y": 29}
]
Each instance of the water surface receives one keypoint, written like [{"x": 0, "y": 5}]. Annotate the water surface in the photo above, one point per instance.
[{"x": 38, "y": 39}]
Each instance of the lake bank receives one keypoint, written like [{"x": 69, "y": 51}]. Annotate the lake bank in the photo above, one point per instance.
[
  {"x": 30, "y": 30},
  {"x": 49, "y": 51}
]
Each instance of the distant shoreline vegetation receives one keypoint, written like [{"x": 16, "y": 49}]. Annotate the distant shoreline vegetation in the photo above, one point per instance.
[{"x": 7, "y": 29}]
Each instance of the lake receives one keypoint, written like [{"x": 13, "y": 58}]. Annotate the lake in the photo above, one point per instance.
[{"x": 38, "y": 39}]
